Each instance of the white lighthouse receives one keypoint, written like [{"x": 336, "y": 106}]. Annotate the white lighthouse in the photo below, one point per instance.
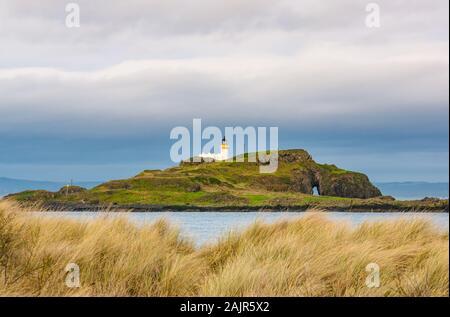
[
  {"x": 224, "y": 150},
  {"x": 222, "y": 156}
]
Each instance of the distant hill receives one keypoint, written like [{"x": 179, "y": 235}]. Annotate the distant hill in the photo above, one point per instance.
[
  {"x": 414, "y": 190},
  {"x": 11, "y": 185}
]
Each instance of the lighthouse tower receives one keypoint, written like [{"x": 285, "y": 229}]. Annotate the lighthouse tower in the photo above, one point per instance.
[
  {"x": 224, "y": 150},
  {"x": 222, "y": 156}
]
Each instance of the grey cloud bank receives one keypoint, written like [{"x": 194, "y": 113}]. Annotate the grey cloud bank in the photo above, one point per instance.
[{"x": 110, "y": 91}]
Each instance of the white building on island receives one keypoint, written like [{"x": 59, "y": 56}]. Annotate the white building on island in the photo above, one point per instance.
[{"x": 222, "y": 156}]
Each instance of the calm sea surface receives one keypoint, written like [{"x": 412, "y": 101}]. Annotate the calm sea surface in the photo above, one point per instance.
[{"x": 206, "y": 227}]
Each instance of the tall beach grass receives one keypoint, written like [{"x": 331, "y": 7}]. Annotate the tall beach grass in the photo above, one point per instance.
[{"x": 311, "y": 256}]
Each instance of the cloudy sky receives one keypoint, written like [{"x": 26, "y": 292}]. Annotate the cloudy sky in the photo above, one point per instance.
[{"x": 98, "y": 102}]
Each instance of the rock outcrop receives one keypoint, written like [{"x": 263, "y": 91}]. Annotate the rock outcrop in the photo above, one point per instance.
[
  {"x": 71, "y": 189},
  {"x": 351, "y": 185},
  {"x": 328, "y": 179}
]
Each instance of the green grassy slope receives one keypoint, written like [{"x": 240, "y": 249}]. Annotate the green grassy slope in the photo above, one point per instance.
[{"x": 222, "y": 184}]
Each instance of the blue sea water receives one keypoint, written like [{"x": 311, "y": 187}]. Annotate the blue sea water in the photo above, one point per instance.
[
  {"x": 414, "y": 190},
  {"x": 207, "y": 227}
]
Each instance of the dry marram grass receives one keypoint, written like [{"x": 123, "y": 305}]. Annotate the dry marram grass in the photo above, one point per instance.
[{"x": 311, "y": 256}]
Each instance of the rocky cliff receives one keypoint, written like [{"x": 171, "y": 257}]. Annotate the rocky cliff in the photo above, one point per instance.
[{"x": 328, "y": 179}]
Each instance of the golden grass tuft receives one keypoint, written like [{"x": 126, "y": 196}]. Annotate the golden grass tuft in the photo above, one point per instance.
[{"x": 311, "y": 256}]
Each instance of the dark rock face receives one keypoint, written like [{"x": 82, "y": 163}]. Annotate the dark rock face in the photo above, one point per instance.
[
  {"x": 290, "y": 156},
  {"x": 328, "y": 179},
  {"x": 351, "y": 185},
  {"x": 302, "y": 181},
  {"x": 387, "y": 198}
]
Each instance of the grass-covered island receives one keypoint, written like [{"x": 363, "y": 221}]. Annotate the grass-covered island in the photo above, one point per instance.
[{"x": 234, "y": 186}]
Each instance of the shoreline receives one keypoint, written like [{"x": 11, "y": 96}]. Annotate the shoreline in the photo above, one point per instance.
[{"x": 80, "y": 207}]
